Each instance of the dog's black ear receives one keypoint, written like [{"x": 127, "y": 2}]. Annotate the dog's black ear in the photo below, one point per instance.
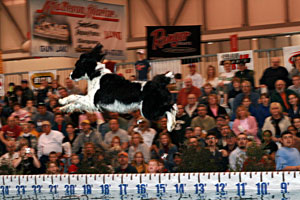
[{"x": 97, "y": 52}]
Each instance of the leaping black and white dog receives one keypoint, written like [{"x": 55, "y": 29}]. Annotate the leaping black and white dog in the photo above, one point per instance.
[{"x": 108, "y": 91}]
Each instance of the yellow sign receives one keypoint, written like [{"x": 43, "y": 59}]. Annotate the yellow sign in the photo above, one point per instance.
[{"x": 36, "y": 77}]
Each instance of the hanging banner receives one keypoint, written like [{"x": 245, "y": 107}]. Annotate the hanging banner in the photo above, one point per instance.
[
  {"x": 70, "y": 27},
  {"x": 173, "y": 41},
  {"x": 288, "y": 54},
  {"x": 236, "y": 58},
  {"x": 234, "y": 43},
  {"x": 168, "y": 186},
  {"x": 36, "y": 77}
]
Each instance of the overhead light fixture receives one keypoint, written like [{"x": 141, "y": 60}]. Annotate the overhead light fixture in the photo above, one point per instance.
[
  {"x": 254, "y": 38},
  {"x": 210, "y": 43},
  {"x": 288, "y": 36}
]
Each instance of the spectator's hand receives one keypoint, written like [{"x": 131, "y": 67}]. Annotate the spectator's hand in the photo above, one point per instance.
[
  {"x": 154, "y": 148},
  {"x": 221, "y": 84},
  {"x": 263, "y": 86},
  {"x": 224, "y": 153}
]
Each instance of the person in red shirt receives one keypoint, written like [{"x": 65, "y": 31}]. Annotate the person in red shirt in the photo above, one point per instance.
[
  {"x": 188, "y": 89},
  {"x": 11, "y": 131}
]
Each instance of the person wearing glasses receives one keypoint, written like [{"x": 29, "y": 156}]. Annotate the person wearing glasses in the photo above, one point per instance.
[{"x": 220, "y": 156}]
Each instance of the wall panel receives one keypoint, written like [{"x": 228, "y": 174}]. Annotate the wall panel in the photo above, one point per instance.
[
  {"x": 266, "y": 12},
  {"x": 224, "y": 14},
  {"x": 294, "y": 13}
]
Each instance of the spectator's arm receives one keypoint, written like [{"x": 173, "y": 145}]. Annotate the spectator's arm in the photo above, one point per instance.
[
  {"x": 2, "y": 138},
  {"x": 291, "y": 168},
  {"x": 36, "y": 161},
  {"x": 67, "y": 149},
  {"x": 76, "y": 145}
]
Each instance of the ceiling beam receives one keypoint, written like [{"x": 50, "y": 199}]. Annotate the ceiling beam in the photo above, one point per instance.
[
  {"x": 11, "y": 17},
  {"x": 167, "y": 13},
  {"x": 152, "y": 13},
  {"x": 179, "y": 11}
]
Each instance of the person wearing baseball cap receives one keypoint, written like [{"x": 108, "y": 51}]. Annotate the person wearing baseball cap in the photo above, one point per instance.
[
  {"x": 87, "y": 134},
  {"x": 142, "y": 66},
  {"x": 125, "y": 167}
]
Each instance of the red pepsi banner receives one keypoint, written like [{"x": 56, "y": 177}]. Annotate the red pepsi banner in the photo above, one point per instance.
[{"x": 173, "y": 41}]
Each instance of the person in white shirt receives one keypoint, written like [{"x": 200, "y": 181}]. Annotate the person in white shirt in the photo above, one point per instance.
[
  {"x": 196, "y": 77},
  {"x": 49, "y": 141},
  {"x": 147, "y": 133}
]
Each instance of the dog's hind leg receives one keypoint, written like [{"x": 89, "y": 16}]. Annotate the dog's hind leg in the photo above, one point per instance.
[{"x": 171, "y": 118}]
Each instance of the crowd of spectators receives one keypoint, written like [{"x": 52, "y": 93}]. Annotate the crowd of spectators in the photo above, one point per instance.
[{"x": 222, "y": 114}]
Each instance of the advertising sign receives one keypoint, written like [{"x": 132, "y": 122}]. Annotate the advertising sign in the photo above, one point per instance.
[
  {"x": 173, "y": 41},
  {"x": 70, "y": 27},
  {"x": 289, "y": 53},
  {"x": 36, "y": 77},
  {"x": 236, "y": 58}
]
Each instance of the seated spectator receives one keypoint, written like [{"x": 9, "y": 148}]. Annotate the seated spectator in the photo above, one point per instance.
[
  {"x": 188, "y": 89},
  {"x": 230, "y": 142},
  {"x": 89, "y": 161},
  {"x": 222, "y": 141},
  {"x": 138, "y": 145},
  {"x": 287, "y": 158},
  {"x": 245, "y": 123},
  {"x": 28, "y": 136},
  {"x": 11, "y": 131},
  {"x": 193, "y": 142},
  {"x": 30, "y": 108},
  {"x": 132, "y": 123},
  {"x": 191, "y": 107},
  {"x": 42, "y": 92},
  {"x": 7, "y": 158},
  {"x": 49, "y": 141},
  {"x": 116, "y": 131},
  {"x": 277, "y": 123},
  {"x": 27, "y": 162},
  {"x": 104, "y": 127},
  {"x": 203, "y": 120},
  {"x": 182, "y": 121},
  {"x": 234, "y": 91},
  {"x": 246, "y": 91},
  {"x": 52, "y": 168},
  {"x": 147, "y": 133},
  {"x": 71, "y": 133},
  {"x": 268, "y": 144},
  {"x": 139, "y": 163},
  {"x": 177, "y": 161},
  {"x": 272, "y": 74},
  {"x": 51, "y": 104},
  {"x": 42, "y": 115},
  {"x": 18, "y": 96},
  {"x": 213, "y": 108},
  {"x": 296, "y": 83},
  {"x": 27, "y": 93},
  {"x": 207, "y": 90},
  {"x": 263, "y": 110},
  {"x": 220, "y": 122},
  {"x": 211, "y": 77},
  {"x": 220, "y": 157},
  {"x": 293, "y": 130},
  {"x": 281, "y": 94},
  {"x": 296, "y": 123},
  {"x": 225, "y": 79},
  {"x": 114, "y": 150},
  {"x": 60, "y": 124},
  {"x": 73, "y": 168},
  {"x": 197, "y": 79},
  {"x": 238, "y": 156},
  {"x": 296, "y": 64},
  {"x": 245, "y": 74},
  {"x": 153, "y": 166},
  {"x": 87, "y": 135},
  {"x": 53, "y": 90},
  {"x": 166, "y": 150},
  {"x": 125, "y": 167},
  {"x": 294, "y": 110},
  {"x": 23, "y": 115},
  {"x": 95, "y": 118},
  {"x": 199, "y": 133},
  {"x": 71, "y": 88},
  {"x": 55, "y": 157}
]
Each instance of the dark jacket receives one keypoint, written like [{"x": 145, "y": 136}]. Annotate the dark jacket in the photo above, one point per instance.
[
  {"x": 271, "y": 75},
  {"x": 275, "y": 97}
]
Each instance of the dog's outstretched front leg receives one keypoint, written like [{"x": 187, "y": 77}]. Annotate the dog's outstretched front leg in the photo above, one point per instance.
[
  {"x": 171, "y": 118},
  {"x": 69, "y": 99}
]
